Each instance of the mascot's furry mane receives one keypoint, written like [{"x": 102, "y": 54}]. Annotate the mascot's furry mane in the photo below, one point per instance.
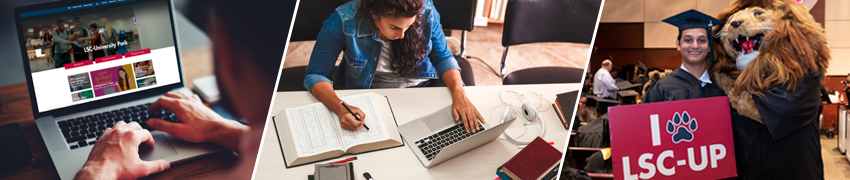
[{"x": 794, "y": 47}]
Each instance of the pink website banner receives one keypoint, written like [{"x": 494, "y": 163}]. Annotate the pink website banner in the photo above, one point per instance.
[
  {"x": 136, "y": 53},
  {"x": 108, "y": 58},
  {"x": 79, "y": 64},
  {"x": 105, "y": 81}
]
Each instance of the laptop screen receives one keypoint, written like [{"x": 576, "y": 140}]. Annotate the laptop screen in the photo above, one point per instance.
[{"x": 89, "y": 52}]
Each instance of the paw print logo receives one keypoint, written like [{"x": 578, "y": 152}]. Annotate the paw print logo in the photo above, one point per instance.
[{"x": 682, "y": 127}]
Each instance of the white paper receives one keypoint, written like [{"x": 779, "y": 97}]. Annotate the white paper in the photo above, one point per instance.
[
  {"x": 373, "y": 119},
  {"x": 314, "y": 129}
]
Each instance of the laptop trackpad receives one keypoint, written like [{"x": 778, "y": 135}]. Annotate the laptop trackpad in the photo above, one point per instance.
[
  {"x": 439, "y": 120},
  {"x": 162, "y": 149}
]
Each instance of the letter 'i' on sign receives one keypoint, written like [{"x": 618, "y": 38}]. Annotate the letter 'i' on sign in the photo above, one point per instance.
[{"x": 656, "y": 135}]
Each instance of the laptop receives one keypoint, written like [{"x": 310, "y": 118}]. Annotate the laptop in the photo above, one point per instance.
[
  {"x": 89, "y": 85},
  {"x": 436, "y": 137}
]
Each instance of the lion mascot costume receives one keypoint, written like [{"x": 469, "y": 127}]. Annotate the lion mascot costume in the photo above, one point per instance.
[{"x": 771, "y": 60}]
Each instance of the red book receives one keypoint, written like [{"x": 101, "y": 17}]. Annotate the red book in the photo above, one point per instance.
[{"x": 534, "y": 161}]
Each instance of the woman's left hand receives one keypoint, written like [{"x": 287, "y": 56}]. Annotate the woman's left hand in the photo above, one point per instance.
[{"x": 463, "y": 109}]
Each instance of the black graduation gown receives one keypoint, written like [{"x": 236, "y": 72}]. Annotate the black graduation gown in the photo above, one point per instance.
[
  {"x": 680, "y": 85},
  {"x": 787, "y": 145}
]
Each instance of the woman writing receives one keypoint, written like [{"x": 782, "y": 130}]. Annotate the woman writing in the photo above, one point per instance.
[{"x": 385, "y": 44}]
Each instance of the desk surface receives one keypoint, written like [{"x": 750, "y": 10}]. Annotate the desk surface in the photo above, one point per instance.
[
  {"x": 409, "y": 104},
  {"x": 15, "y": 107}
]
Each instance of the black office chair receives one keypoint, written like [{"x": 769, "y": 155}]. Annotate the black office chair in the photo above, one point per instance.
[
  {"x": 308, "y": 23},
  {"x": 459, "y": 15},
  {"x": 533, "y": 21}
]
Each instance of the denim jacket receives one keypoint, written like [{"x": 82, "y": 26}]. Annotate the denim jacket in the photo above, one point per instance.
[{"x": 358, "y": 39}]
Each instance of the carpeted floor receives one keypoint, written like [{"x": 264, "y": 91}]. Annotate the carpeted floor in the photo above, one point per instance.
[{"x": 835, "y": 164}]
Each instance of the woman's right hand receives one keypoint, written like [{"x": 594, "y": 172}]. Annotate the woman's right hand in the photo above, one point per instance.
[{"x": 347, "y": 120}]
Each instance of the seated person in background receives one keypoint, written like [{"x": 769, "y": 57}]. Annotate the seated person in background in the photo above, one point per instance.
[
  {"x": 603, "y": 83},
  {"x": 385, "y": 44},
  {"x": 246, "y": 71},
  {"x": 615, "y": 72}
]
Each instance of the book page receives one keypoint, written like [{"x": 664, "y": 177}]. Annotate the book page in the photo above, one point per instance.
[
  {"x": 366, "y": 103},
  {"x": 314, "y": 129}
]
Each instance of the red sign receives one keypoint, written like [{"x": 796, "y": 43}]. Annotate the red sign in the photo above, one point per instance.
[
  {"x": 108, "y": 58},
  {"x": 78, "y": 64},
  {"x": 136, "y": 53},
  {"x": 689, "y": 139}
]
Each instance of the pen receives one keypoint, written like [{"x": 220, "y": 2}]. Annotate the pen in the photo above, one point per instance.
[
  {"x": 345, "y": 160},
  {"x": 367, "y": 175},
  {"x": 355, "y": 116}
]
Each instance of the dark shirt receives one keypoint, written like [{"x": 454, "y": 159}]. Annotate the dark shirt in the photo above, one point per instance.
[{"x": 680, "y": 85}]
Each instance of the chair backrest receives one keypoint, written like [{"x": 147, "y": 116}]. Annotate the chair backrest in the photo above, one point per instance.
[
  {"x": 544, "y": 75},
  {"x": 531, "y": 21},
  {"x": 311, "y": 14},
  {"x": 456, "y": 14}
]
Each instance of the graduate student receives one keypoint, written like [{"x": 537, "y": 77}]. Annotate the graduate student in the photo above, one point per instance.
[
  {"x": 385, "y": 44},
  {"x": 691, "y": 80}
]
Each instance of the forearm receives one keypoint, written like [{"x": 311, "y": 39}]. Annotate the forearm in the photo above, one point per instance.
[
  {"x": 93, "y": 171},
  {"x": 454, "y": 82},
  {"x": 324, "y": 92},
  {"x": 228, "y": 134}
]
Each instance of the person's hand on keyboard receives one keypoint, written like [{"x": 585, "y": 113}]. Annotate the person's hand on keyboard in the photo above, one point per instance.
[
  {"x": 463, "y": 109},
  {"x": 198, "y": 123},
  {"x": 115, "y": 155}
]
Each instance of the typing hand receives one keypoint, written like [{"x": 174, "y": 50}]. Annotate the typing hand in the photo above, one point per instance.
[
  {"x": 347, "y": 120},
  {"x": 197, "y": 122},
  {"x": 463, "y": 109},
  {"x": 115, "y": 155}
]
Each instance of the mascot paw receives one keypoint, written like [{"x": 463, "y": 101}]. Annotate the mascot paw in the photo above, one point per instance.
[
  {"x": 742, "y": 102},
  {"x": 682, "y": 127}
]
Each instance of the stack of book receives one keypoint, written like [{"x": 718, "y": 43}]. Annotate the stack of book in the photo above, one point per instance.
[
  {"x": 493, "y": 10},
  {"x": 564, "y": 106},
  {"x": 538, "y": 160}
]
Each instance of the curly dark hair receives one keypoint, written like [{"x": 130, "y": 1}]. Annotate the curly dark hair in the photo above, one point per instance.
[{"x": 407, "y": 53}]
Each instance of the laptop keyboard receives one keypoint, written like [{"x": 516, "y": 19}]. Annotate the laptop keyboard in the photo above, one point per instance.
[
  {"x": 432, "y": 144},
  {"x": 86, "y": 130}
]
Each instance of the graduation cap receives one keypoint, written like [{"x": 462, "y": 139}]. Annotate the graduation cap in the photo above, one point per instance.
[
  {"x": 602, "y": 104},
  {"x": 692, "y": 19},
  {"x": 625, "y": 85},
  {"x": 641, "y": 66},
  {"x": 628, "y": 96}
]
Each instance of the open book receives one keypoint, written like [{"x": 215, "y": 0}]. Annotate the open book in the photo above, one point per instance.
[{"x": 312, "y": 132}]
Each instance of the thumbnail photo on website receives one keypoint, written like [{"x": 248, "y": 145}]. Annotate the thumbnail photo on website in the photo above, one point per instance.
[
  {"x": 79, "y": 82},
  {"x": 144, "y": 69},
  {"x": 112, "y": 80}
]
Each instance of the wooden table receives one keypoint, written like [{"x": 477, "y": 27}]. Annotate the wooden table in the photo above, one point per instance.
[
  {"x": 15, "y": 107},
  {"x": 412, "y": 103}
]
